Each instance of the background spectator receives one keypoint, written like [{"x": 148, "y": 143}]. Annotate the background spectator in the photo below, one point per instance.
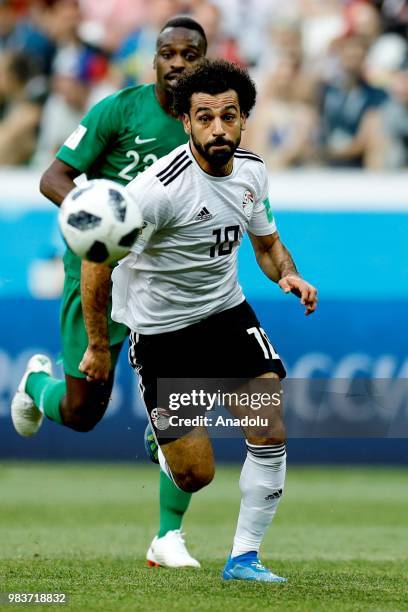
[
  {"x": 79, "y": 82},
  {"x": 283, "y": 129},
  {"x": 23, "y": 30},
  {"x": 21, "y": 98},
  {"x": 106, "y": 23},
  {"x": 322, "y": 68},
  {"x": 322, "y": 22},
  {"x": 62, "y": 22},
  {"x": 219, "y": 44},
  {"x": 346, "y": 102},
  {"x": 386, "y": 50},
  {"x": 246, "y": 22},
  {"x": 387, "y": 130}
]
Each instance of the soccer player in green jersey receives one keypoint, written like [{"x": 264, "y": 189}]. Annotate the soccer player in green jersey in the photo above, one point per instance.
[{"x": 119, "y": 138}]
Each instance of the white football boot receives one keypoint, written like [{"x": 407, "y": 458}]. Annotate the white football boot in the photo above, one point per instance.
[
  {"x": 26, "y": 417},
  {"x": 170, "y": 551}
]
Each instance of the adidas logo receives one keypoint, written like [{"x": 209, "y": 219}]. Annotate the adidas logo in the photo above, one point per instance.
[
  {"x": 275, "y": 495},
  {"x": 203, "y": 215}
]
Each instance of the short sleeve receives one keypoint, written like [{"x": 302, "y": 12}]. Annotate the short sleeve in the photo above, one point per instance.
[
  {"x": 154, "y": 205},
  {"x": 92, "y": 136},
  {"x": 262, "y": 222}
]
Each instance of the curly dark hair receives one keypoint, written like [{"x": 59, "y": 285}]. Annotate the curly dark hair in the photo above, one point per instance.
[{"x": 213, "y": 77}]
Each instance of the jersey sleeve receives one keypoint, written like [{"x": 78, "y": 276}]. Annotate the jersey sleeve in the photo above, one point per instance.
[
  {"x": 154, "y": 205},
  {"x": 262, "y": 222},
  {"x": 92, "y": 136}
]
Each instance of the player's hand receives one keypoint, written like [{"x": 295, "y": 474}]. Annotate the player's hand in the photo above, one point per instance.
[
  {"x": 96, "y": 364},
  {"x": 291, "y": 283}
]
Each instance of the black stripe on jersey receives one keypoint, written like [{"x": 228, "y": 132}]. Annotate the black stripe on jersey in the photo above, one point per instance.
[
  {"x": 253, "y": 157},
  {"x": 173, "y": 161},
  {"x": 174, "y": 176},
  {"x": 247, "y": 152},
  {"x": 173, "y": 169}
]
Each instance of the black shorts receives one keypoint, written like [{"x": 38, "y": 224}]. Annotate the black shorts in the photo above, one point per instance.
[{"x": 228, "y": 345}]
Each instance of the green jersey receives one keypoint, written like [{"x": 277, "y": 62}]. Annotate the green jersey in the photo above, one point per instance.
[{"x": 119, "y": 138}]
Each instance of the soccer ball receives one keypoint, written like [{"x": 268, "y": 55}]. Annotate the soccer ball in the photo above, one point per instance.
[{"x": 100, "y": 221}]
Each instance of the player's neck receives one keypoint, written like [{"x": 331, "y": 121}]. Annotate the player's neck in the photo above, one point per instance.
[
  {"x": 163, "y": 98},
  {"x": 207, "y": 167}
]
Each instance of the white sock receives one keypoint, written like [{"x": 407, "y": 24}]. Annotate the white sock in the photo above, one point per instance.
[{"x": 261, "y": 483}]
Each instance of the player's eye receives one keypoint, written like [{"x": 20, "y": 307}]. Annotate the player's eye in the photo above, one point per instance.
[
  {"x": 191, "y": 57},
  {"x": 229, "y": 117},
  {"x": 166, "y": 56},
  {"x": 204, "y": 119}
]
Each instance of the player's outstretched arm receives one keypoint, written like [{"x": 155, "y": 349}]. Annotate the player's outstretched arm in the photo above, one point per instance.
[
  {"x": 276, "y": 262},
  {"x": 57, "y": 181},
  {"x": 95, "y": 287}
]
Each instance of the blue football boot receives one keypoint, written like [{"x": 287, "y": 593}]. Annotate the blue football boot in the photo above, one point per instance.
[
  {"x": 150, "y": 444},
  {"x": 248, "y": 567}
]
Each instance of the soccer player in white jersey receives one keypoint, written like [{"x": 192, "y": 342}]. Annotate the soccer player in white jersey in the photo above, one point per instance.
[{"x": 178, "y": 293}]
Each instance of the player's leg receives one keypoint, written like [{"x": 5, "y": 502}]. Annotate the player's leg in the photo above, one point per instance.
[
  {"x": 147, "y": 352},
  {"x": 261, "y": 483},
  {"x": 187, "y": 465},
  {"x": 250, "y": 355},
  {"x": 173, "y": 506},
  {"x": 185, "y": 453},
  {"x": 189, "y": 461},
  {"x": 83, "y": 404},
  {"x": 72, "y": 402}
]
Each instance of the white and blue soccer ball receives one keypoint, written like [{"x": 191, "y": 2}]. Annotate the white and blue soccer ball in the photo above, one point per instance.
[{"x": 100, "y": 221}]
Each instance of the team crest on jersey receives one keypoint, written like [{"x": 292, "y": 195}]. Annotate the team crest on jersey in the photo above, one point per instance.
[
  {"x": 160, "y": 418},
  {"x": 248, "y": 203}
]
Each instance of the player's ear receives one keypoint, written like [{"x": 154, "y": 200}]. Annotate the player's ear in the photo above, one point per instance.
[
  {"x": 186, "y": 123},
  {"x": 155, "y": 61},
  {"x": 243, "y": 122}
]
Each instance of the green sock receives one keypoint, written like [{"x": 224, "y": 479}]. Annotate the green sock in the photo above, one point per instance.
[
  {"x": 47, "y": 393},
  {"x": 173, "y": 505}
]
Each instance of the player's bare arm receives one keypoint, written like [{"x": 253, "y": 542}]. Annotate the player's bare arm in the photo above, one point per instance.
[
  {"x": 95, "y": 287},
  {"x": 58, "y": 180},
  {"x": 276, "y": 262}
]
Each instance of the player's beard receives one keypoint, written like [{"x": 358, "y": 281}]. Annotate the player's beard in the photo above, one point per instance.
[{"x": 217, "y": 159}]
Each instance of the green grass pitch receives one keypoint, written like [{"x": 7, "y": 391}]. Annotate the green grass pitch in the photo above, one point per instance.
[{"x": 340, "y": 537}]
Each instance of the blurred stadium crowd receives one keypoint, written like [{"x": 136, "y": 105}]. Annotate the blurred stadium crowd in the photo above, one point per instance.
[{"x": 332, "y": 75}]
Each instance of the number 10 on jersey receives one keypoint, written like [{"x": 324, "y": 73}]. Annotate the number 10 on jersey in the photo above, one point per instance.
[{"x": 225, "y": 246}]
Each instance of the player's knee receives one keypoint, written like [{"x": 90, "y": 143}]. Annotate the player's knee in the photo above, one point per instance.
[
  {"x": 81, "y": 417},
  {"x": 195, "y": 478},
  {"x": 273, "y": 434},
  {"x": 278, "y": 437},
  {"x": 82, "y": 425}
]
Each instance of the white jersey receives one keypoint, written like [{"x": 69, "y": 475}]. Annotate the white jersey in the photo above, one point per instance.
[{"x": 183, "y": 267}]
